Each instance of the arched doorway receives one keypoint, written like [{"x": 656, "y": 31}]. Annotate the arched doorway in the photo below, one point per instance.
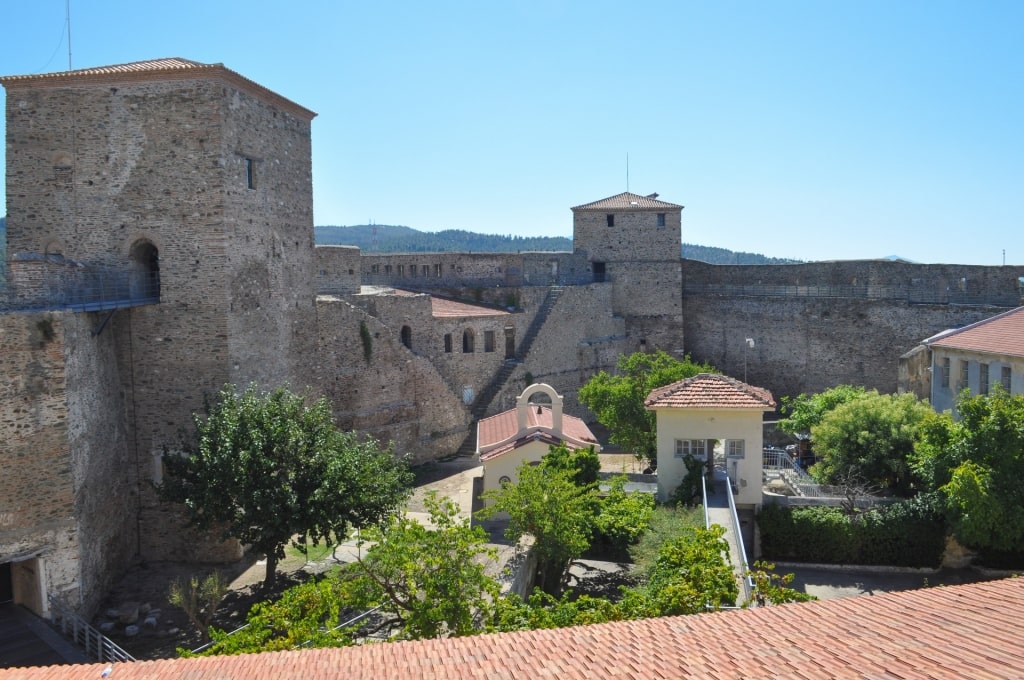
[{"x": 145, "y": 282}]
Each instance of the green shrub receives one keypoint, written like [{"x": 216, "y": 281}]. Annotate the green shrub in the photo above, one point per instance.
[{"x": 907, "y": 534}]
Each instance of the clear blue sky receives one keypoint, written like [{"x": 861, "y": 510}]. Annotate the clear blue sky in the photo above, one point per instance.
[{"x": 808, "y": 129}]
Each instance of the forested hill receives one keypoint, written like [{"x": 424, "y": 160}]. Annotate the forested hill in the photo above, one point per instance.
[{"x": 383, "y": 238}]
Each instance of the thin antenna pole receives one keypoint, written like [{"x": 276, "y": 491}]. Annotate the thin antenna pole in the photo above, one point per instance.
[
  {"x": 67, "y": 13},
  {"x": 627, "y": 172}
]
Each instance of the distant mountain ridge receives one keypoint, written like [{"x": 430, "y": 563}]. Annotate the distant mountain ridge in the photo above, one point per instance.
[{"x": 385, "y": 238}]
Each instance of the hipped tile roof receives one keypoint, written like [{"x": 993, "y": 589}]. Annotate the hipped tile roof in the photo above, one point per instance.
[
  {"x": 709, "y": 390},
  {"x": 626, "y": 201},
  {"x": 1001, "y": 334},
  {"x": 170, "y": 68},
  {"x": 968, "y": 631},
  {"x": 506, "y": 424}
]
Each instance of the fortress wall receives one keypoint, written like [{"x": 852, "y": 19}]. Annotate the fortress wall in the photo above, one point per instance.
[
  {"x": 580, "y": 338},
  {"x": 811, "y": 344},
  {"x": 872, "y": 278},
  {"x": 102, "y": 456},
  {"x": 37, "y": 484},
  {"x": 438, "y": 271},
  {"x": 396, "y": 396},
  {"x": 338, "y": 270}
]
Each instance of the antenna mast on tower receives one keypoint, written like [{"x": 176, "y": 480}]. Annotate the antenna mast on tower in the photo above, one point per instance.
[{"x": 627, "y": 172}]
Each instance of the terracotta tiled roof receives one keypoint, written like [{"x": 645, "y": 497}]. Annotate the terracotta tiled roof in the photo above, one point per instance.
[
  {"x": 171, "y": 68},
  {"x": 1002, "y": 334},
  {"x": 626, "y": 200},
  {"x": 709, "y": 390},
  {"x": 506, "y": 424},
  {"x": 969, "y": 631},
  {"x": 451, "y": 308}
]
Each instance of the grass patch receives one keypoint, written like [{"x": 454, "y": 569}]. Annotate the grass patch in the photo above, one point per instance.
[{"x": 314, "y": 553}]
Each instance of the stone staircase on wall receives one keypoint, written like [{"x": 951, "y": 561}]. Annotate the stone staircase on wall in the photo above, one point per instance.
[{"x": 483, "y": 400}]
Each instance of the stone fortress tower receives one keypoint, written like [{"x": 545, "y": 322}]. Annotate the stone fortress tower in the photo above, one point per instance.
[
  {"x": 198, "y": 181},
  {"x": 635, "y": 242}
]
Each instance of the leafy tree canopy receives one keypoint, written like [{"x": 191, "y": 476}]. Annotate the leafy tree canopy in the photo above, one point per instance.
[
  {"x": 546, "y": 503},
  {"x": 618, "y": 400},
  {"x": 870, "y": 438},
  {"x": 977, "y": 464},
  {"x": 267, "y": 467},
  {"x": 806, "y": 411}
]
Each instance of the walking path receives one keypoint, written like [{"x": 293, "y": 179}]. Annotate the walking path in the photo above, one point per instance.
[{"x": 718, "y": 512}]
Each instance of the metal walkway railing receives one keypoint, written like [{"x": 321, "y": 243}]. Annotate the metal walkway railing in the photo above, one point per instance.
[{"x": 95, "y": 644}]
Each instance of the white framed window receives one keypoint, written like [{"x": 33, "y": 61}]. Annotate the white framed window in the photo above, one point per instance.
[
  {"x": 964, "y": 366},
  {"x": 691, "y": 447},
  {"x": 734, "y": 448},
  {"x": 983, "y": 378},
  {"x": 945, "y": 372}
]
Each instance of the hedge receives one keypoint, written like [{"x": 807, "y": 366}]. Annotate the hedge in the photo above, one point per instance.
[{"x": 907, "y": 533}]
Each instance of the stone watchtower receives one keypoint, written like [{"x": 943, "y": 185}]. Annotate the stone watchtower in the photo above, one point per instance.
[
  {"x": 635, "y": 243},
  {"x": 201, "y": 179}
]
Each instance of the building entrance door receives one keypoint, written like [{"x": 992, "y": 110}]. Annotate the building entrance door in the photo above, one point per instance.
[{"x": 6, "y": 584}]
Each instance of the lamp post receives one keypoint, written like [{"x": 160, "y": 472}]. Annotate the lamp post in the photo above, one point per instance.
[{"x": 748, "y": 345}]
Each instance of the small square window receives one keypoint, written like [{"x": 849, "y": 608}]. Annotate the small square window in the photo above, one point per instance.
[
  {"x": 610, "y": 219},
  {"x": 661, "y": 219},
  {"x": 735, "y": 448},
  {"x": 488, "y": 341}
]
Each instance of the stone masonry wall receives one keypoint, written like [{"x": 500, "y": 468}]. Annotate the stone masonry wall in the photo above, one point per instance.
[
  {"x": 381, "y": 388},
  {"x": 102, "y": 456},
  {"x": 810, "y": 344},
  {"x": 635, "y": 235},
  {"x": 37, "y": 487},
  {"x": 338, "y": 270}
]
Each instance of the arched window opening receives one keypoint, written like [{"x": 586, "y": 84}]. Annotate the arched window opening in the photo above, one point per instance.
[
  {"x": 407, "y": 336},
  {"x": 145, "y": 282},
  {"x": 468, "y": 340}
]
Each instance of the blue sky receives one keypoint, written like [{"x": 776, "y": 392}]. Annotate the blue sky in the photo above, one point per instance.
[{"x": 814, "y": 130}]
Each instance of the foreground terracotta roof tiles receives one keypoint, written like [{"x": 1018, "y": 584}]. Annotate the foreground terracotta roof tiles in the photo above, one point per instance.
[
  {"x": 1001, "y": 334},
  {"x": 969, "y": 631},
  {"x": 626, "y": 200},
  {"x": 709, "y": 390}
]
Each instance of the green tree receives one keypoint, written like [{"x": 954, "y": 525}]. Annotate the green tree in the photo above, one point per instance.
[
  {"x": 266, "y": 467},
  {"x": 692, "y": 574},
  {"x": 431, "y": 579},
  {"x": 624, "y": 517},
  {"x": 806, "y": 411},
  {"x": 618, "y": 400},
  {"x": 583, "y": 463},
  {"x": 870, "y": 438},
  {"x": 976, "y": 464},
  {"x": 199, "y": 600},
  {"x": 547, "y": 504}
]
